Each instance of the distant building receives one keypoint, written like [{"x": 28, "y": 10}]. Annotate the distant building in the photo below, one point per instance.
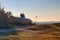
[{"x": 22, "y": 17}]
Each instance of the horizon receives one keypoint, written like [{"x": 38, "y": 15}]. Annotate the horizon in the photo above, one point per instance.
[{"x": 45, "y": 10}]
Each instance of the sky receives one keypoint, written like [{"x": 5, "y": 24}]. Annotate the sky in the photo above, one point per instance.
[{"x": 45, "y": 10}]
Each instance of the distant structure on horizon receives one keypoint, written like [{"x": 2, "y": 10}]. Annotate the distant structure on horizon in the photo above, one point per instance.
[{"x": 22, "y": 17}]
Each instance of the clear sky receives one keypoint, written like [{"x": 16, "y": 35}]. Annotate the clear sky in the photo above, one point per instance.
[{"x": 45, "y": 10}]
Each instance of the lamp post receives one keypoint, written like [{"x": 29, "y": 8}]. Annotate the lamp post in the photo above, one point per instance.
[{"x": 36, "y": 18}]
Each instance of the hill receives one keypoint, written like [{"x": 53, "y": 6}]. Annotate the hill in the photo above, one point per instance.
[{"x": 48, "y": 22}]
